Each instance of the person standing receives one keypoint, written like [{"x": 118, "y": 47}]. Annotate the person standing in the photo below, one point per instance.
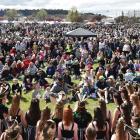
[
  {"x": 67, "y": 129},
  {"x": 82, "y": 117}
]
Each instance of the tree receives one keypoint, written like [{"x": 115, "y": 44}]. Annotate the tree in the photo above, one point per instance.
[
  {"x": 73, "y": 15},
  {"x": 11, "y": 14},
  {"x": 122, "y": 19},
  {"x": 41, "y": 14}
]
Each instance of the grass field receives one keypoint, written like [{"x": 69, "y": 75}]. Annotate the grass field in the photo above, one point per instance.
[{"x": 26, "y": 98}]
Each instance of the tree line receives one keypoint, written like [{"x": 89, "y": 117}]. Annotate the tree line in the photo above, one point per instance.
[{"x": 72, "y": 15}]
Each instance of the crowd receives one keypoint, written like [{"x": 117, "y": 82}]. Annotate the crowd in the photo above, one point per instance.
[{"x": 107, "y": 69}]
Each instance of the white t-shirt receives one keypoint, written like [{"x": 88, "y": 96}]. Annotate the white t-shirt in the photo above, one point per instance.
[
  {"x": 101, "y": 45},
  {"x": 129, "y": 77},
  {"x": 126, "y": 48}
]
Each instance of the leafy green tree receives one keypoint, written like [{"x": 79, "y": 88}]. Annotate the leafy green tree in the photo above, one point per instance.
[
  {"x": 73, "y": 15},
  {"x": 41, "y": 14},
  {"x": 11, "y": 14}
]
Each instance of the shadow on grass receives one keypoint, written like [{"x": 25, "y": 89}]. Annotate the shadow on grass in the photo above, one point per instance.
[{"x": 24, "y": 99}]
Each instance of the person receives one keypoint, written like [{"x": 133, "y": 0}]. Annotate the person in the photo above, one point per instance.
[
  {"x": 135, "y": 121},
  {"x": 101, "y": 126},
  {"x": 14, "y": 111},
  {"x": 112, "y": 85},
  {"x": 1, "y": 67},
  {"x": 41, "y": 58},
  {"x": 13, "y": 69},
  {"x": 3, "y": 114},
  {"x": 30, "y": 120},
  {"x": 32, "y": 70},
  {"x": 125, "y": 113},
  {"x": 126, "y": 48},
  {"x": 58, "y": 113},
  {"x": 86, "y": 89},
  {"x": 5, "y": 73},
  {"x": 102, "y": 88},
  {"x": 16, "y": 88},
  {"x": 126, "y": 99},
  {"x": 27, "y": 82},
  {"x": 108, "y": 71},
  {"x": 82, "y": 117},
  {"x": 46, "y": 95},
  {"x": 67, "y": 78},
  {"x": 136, "y": 104},
  {"x": 99, "y": 73},
  {"x": 45, "y": 116},
  {"x": 120, "y": 133},
  {"x": 3, "y": 107},
  {"x": 50, "y": 70},
  {"x": 90, "y": 133},
  {"x": 117, "y": 112},
  {"x": 129, "y": 75},
  {"x": 68, "y": 129},
  {"x": 12, "y": 133},
  {"x": 36, "y": 91},
  {"x": 130, "y": 88},
  {"x": 59, "y": 85},
  {"x": 76, "y": 68},
  {"x": 40, "y": 77},
  {"x": 48, "y": 132},
  {"x": 106, "y": 113}
]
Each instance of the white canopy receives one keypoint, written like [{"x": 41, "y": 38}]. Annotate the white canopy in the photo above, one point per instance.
[{"x": 80, "y": 32}]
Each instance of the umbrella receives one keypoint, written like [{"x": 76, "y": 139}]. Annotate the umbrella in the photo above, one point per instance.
[{"x": 80, "y": 32}]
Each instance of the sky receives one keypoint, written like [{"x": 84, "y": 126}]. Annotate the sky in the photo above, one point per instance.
[{"x": 104, "y": 6}]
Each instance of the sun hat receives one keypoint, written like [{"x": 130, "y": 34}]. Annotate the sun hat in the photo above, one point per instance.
[{"x": 101, "y": 78}]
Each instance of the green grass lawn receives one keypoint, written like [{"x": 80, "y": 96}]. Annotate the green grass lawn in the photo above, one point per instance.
[{"x": 26, "y": 98}]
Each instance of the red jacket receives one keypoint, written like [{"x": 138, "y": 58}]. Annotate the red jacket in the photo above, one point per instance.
[
  {"x": 13, "y": 51},
  {"x": 26, "y": 63}
]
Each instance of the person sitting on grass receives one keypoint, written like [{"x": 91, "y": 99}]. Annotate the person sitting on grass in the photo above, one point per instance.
[
  {"x": 102, "y": 88},
  {"x": 16, "y": 87},
  {"x": 5, "y": 73},
  {"x": 36, "y": 92},
  {"x": 13, "y": 69},
  {"x": 59, "y": 85},
  {"x": 76, "y": 68},
  {"x": 32, "y": 70},
  {"x": 27, "y": 84},
  {"x": 47, "y": 94},
  {"x": 5, "y": 88},
  {"x": 40, "y": 77},
  {"x": 67, "y": 78},
  {"x": 86, "y": 90},
  {"x": 50, "y": 70}
]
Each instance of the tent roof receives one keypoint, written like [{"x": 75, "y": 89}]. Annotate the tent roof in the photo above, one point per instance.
[{"x": 80, "y": 32}]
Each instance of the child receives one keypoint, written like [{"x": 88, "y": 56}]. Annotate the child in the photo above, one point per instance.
[
  {"x": 28, "y": 84},
  {"x": 46, "y": 95},
  {"x": 16, "y": 88},
  {"x": 36, "y": 92}
]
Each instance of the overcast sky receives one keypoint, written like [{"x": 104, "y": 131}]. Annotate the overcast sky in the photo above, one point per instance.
[{"x": 82, "y": 5}]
